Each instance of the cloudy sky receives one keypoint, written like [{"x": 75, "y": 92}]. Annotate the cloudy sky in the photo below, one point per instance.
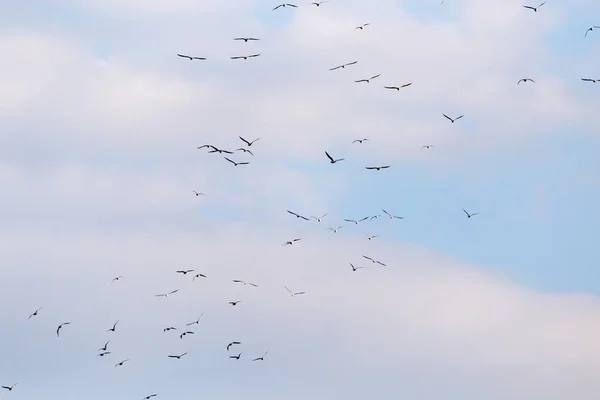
[{"x": 99, "y": 127}]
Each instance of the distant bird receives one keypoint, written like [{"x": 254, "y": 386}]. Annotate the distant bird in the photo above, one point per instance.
[
  {"x": 343, "y": 65},
  {"x": 374, "y": 261},
  {"x": 375, "y": 217},
  {"x": 149, "y": 397},
  {"x": 356, "y": 221},
  {"x": 198, "y": 193},
  {"x": 184, "y": 272},
  {"x": 234, "y": 303},
  {"x": 179, "y": 356},
  {"x": 398, "y": 87},
  {"x": 291, "y": 242},
  {"x": 120, "y": 364},
  {"x": 245, "y": 283},
  {"x": 470, "y": 215},
  {"x": 371, "y": 237},
  {"x": 245, "y": 39},
  {"x": 368, "y": 80},
  {"x": 217, "y": 150},
  {"x": 318, "y": 4},
  {"x": 237, "y": 163},
  {"x": 525, "y": 80},
  {"x": 390, "y": 215},
  {"x": 452, "y": 120},
  {"x": 590, "y": 80},
  {"x": 298, "y": 215},
  {"x": 105, "y": 347},
  {"x": 285, "y": 5},
  {"x": 336, "y": 229},
  {"x": 113, "y": 328},
  {"x": 355, "y": 268},
  {"x": 118, "y": 278},
  {"x": 591, "y": 29},
  {"x": 247, "y": 142},
  {"x": 428, "y": 146},
  {"x": 261, "y": 358},
  {"x": 378, "y": 168},
  {"x": 196, "y": 322},
  {"x": 245, "y": 57},
  {"x": 236, "y": 357},
  {"x": 231, "y": 344},
  {"x": 185, "y": 333},
  {"x": 293, "y": 293},
  {"x": 332, "y": 160},
  {"x": 245, "y": 151},
  {"x": 361, "y": 27},
  {"x": 319, "y": 219},
  {"x": 191, "y": 58},
  {"x": 170, "y": 328},
  {"x": 9, "y": 388},
  {"x": 360, "y": 140},
  {"x": 35, "y": 313},
  {"x": 60, "y": 327},
  {"x": 534, "y": 8},
  {"x": 166, "y": 294},
  {"x": 105, "y": 353},
  {"x": 198, "y": 276}
]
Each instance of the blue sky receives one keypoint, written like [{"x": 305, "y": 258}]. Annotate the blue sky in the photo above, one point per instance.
[{"x": 99, "y": 124}]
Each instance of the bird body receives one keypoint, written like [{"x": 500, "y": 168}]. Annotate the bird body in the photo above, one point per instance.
[
  {"x": 185, "y": 272},
  {"x": 534, "y": 8},
  {"x": 374, "y": 261},
  {"x": 244, "y": 57},
  {"x": 120, "y": 364},
  {"x": 113, "y": 328},
  {"x": 298, "y": 215},
  {"x": 525, "y": 80},
  {"x": 398, "y": 87},
  {"x": 60, "y": 327},
  {"x": 336, "y": 229},
  {"x": 166, "y": 294},
  {"x": 360, "y": 140},
  {"x": 293, "y": 294},
  {"x": 343, "y": 65},
  {"x": 35, "y": 313},
  {"x": 332, "y": 160},
  {"x": 245, "y": 283},
  {"x": 9, "y": 388},
  {"x": 591, "y": 29},
  {"x": 469, "y": 215},
  {"x": 179, "y": 356},
  {"x": 356, "y": 222},
  {"x": 236, "y": 357},
  {"x": 590, "y": 80},
  {"x": 232, "y": 344},
  {"x": 319, "y": 219},
  {"x": 285, "y": 5},
  {"x": 453, "y": 119},
  {"x": 369, "y": 79},
  {"x": 198, "y": 276},
  {"x": 191, "y": 58},
  {"x": 378, "y": 168},
  {"x": 185, "y": 333},
  {"x": 361, "y": 27},
  {"x": 245, "y": 39},
  {"x": 236, "y": 163},
  {"x": 291, "y": 242},
  {"x": 390, "y": 215}
]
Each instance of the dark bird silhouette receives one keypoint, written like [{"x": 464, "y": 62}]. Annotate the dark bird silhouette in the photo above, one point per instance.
[
  {"x": 261, "y": 358},
  {"x": 198, "y": 276},
  {"x": 198, "y": 193},
  {"x": 118, "y": 278},
  {"x": 170, "y": 328},
  {"x": 185, "y": 333},
  {"x": 231, "y": 344},
  {"x": 105, "y": 353},
  {"x": 534, "y": 8},
  {"x": 9, "y": 388},
  {"x": 428, "y": 146},
  {"x": 245, "y": 151},
  {"x": 105, "y": 347},
  {"x": 360, "y": 140},
  {"x": 371, "y": 237},
  {"x": 113, "y": 328},
  {"x": 35, "y": 313},
  {"x": 298, "y": 215},
  {"x": 368, "y": 80},
  {"x": 356, "y": 221},
  {"x": 343, "y": 65},
  {"x": 355, "y": 268},
  {"x": 245, "y": 39},
  {"x": 293, "y": 293},
  {"x": 191, "y": 58},
  {"x": 378, "y": 168},
  {"x": 235, "y": 303},
  {"x": 216, "y": 150},
  {"x": 166, "y": 294},
  {"x": 247, "y": 142},
  {"x": 179, "y": 356},
  {"x": 361, "y": 27},
  {"x": 590, "y": 80},
  {"x": 60, "y": 327},
  {"x": 332, "y": 160},
  {"x": 237, "y": 163},
  {"x": 285, "y": 5},
  {"x": 244, "y": 57},
  {"x": 321, "y": 218},
  {"x": 236, "y": 357},
  {"x": 184, "y": 272},
  {"x": 525, "y": 80},
  {"x": 318, "y": 4},
  {"x": 470, "y": 215},
  {"x": 390, "y": 215},
  {"x": 120, "y": 364},
  {"x": 291, "y": 242},
  {"x": 591, "y": 29},
  {"x": 374, "y": 261},
  {"x": 245, "y": 283},
  {"x": 452, "y": 120},
  {"x": 196, "y": 322},
  {"x": 149, "y": 397},
  {"x": 398, "y": 87}
]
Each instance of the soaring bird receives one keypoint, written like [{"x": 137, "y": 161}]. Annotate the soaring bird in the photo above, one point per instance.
[
  {"x": 179, "y": 356},
  {"x": 261, "y": 358},
  {"x": 591, "y": 29},
  {"x": 231, "y": 344},
  {"x": 590, "y": 80},
  {"x": 236, "y": 357},
  {"x": 355, "y": 268},
  {"x": 184, "y": 272},
  {"x": 245, "y": 39},
  {"x": 452, "y": 120},
  {"x": 245, "y": 151},
  {"x": 216, "y": 150},
  {"x": 343, "y": 65},
  {"x": 150, "y": 396},
  {"x": 35, "y": 313},
  {"x": 356, "y": 221},
  {"x": 198, "y": 193},
  {"x": 293, "y": 293},
  {"x": 371, "y": 237},
  {"x": 104, "y": 353},
  {"x": 60, "y": 327},
  {"x": 379, "y": 168},
  {"x": 291, "y": 242},
  {"x": 428, "y": 146},
  {"x": 198, "y": 276},
  {"x": 245, "y": 57},
  {"x": 374, "y": 261},
  {"x": 285, "y": 5},
  {"x": 335, "y": 229},
  {"x": 298, "y": 215},
  {"x": 113, "y": 328},
  {"x": 360, "y": 140},
  {"x": 191, "y": 58},
  {"x": 9, "y": 388},
  {"x": 534, "y": 8},
  {"x": 525, "y": 80},
  {"x": 398, "y": 87},
  {"x": 470, "y": 215},
  {"x": 118, "y": 278},
  {"x": 196, "y": 322},
  {"x": 247, "y": 142},
  {"x": 368, "y": 80},
  {"x": 375, "y": 217},
  {"x": 390, "y": 215},
  {"x": 170, "y": 328},
  {"x": 245, "y": 282},
  {"x": 166, "y": 294},
  {"x": 235, "y": 303},
  {"x": 237, "y": 163},
  {"x": 318, "y": 3},
  {"x": 105, "y": 346},
  {"x": 119, "y": 364},
  {"x": 319, "y": 219},
  {"x": 185, "y": 333},
  {"x": 332, "y": 160},
  {"x": 361, "y": 27}
]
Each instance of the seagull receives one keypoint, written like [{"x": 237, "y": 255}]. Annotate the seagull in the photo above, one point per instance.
[
  {"x": 452, "y": 120},
  {"x": 343, "y": 65},
  {"x": 297, "y": 215},
  {"x": 336, "y": 229},
  {"x": 332, "y": 160},
  {"x": 170, "y": 328},
  {"x": 179, "y": 356},
  {"x": 361, "y": 27},
  {"x": 591, "y": 29},
  {"x": 245, "y": 57},
  {"x": 198, "y": 276},
  {"x": 231, "y": 344},
  {"x": 368, "y": 80},
  {"x": 285, "y": 5},
  {"x": 60, "y": 326},
  {"x": 185, "y": 333},
  {"x": 245, "y": 283},
  {"x": 184, "y": 272},
  {"x": 236, "y": 163},
  {"x": 319, "y": 219},
  {"x": 318, "y": 4},
  {"x": 35, "y": 313},
  {"x": 149, "y": 397},
  {"x": 9, "y": 388},
  {"x": 372, "y": 237},
  {"x": 534, "y": 8},
  {"x": 105, "y": 353},
  {"x": 166, "y": 294},
  {"x": 428, "y": 146},
  {"x": 390, "y": 215},
  {"x": 113, "y": 328},
  {"x": 525, "y": 80},
  {"x": 291, "y": 242},
  {"x": 196, "y": 322},
  {"x": 245, "y": 39},
  {"x": 355, "y": 221},
  {"x": 375, "y": 217},
  {"x": 293, "y": 293},
  {"x": 118, "y": 278},
  {"x": 121, "y": 363},
  {"x": 470, "y": 215},
  {"x": 245, "y": 151},
  {"x": 398, "y": 87},
  {"x": 236, "y": 357},
  {"x": 374, "y": 261},
  {"x": 216, "y": 150},
  {"x": 261, "y": 358},
  {"x": 105, "y": 346},
  {"x": 355, "y": 268},
  {"x": 191, "y": 58},
  {"x": 360, "y": 140},
  {"x": 379, "y": 168},
  {"x": 234, "y": 303},
  {"x": 247, "y": 142},
  {"x": 590, "y": 80},
  {"x": 198, "y": 193}
]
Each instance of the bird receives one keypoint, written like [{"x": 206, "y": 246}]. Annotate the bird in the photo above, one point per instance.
[
  {"x": 470, "y": 215},
  {"x": 332, "y": 160},
  {"x": 236, "y": 163},
  {"x": 398, "y": 87},
  {"x": 198, "y": 193},
  {"x": 356, "y": 221},
  {"x": 525, "y": 80},
  {"x": 245, "y": 39},
  {"x": 590, "y": 80},
  {"x": 236, "y": 357},
  {"x": 231, "y": 344},
  {"x": 428, "y": 146},
  {"x": 118, "y": 278},
  {"x": 217, "y": 150},
  {"x": 371, "y": 237},
  {"x": 105, "y": 353},
  {"x": 261, "y": 358},
  {"x": 60, "y": 327},
  {"x": 184, "y": 272},
  {"x": 113, "y": 328},
  {"x": 9, "y": 388},
  {"x": 361, "y": 27},
  {"x": 196, "y": 322},
  {"x": 375, "y": 217},
  {"x": 318, "y": 4},
  {"x": 170, "y": 328},
  {"x": 185, "y": 333},
  {"x": 359, "y": 140},
  {"x": 293, "y": 293},
  {"x": 335, "y": 229},
  {"x": 120, "y": 364},
  {"x": 245, "y": 57},
  {"x": 374, "y": 261},
  {"x": 191, "y": 58},
  {"x": 291, "y": 242},
  {"x": 166, "y": 294},
  {"x": 452, "y": 120},
  {"x": 368, "y": 80},
  {"x": 198, "y": 276},
  {"x": 378, "y": 168},
  {"x": 245, "y": 151},
  {"x": 149, "y": 397},
  {"x": 234, "y": 303},
  {"x": 390, "y": 215},
  {"x": 285, "y": 5},
  {"x": 343, "y": 65},
  {"x": 179, "y": 356},
  {"x": 247, "y": 142},
  {"x": 319, "y": 219},
  {"x": 245, "y": 283},
  {"x": 105, "y": 346},
  {"x": 35, "y": 313},
  {"x": 534, "y": 8},
  {"x": 355, "y": 268},
  {"x": 591, "y": 29},
  {"x": 298, "y": 215}
]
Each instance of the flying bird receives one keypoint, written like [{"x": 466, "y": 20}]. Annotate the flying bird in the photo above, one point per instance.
[
  {"x": 261, "y": 358},
  {"x": 198, "y": 276},
  {"x": 217, "y": 150},
  {"x": 9, "y": 388},
  {"x": 361, "y": 27},
  {"x": 198, "y": 193},
  {"x": 285, "y": 5},
  {"x": 298, "y": 215},
  {"x": 332, "y": 160},
  {"x": 375, "y": 217},
  {"x": 185, "y": 333},
  {"x": 470, "y": 215},
  {"x": 368, "y": 80},
  {"x": 118, "y": 278},
  {"x": 590, "y": 80},
  {"x": 293, "y": 293},
  {"x": 374, "y": 261},
  {"x": 291, "y": 242},
  {"x": 360, "y": 140},
  {"x": 245, "y": 151},
  {"x": 170, "y": 328},
  {"x": 355, "y": 268},
  {"x": 234, "y": 303},
  {"x": 231, "y": 344},
  {"x": 356, "y": 221},
  {"x": 591, "y": 29},
  {"x": 60, "y": 327},
  {"x": 105, "y": 353},
  {"x": 105, "y": 347},
  {"x": 191, "y": 58},
  {"x": 525, "y": 80},
  {"x": 319, "y": 219},
  {"x": 35, "y": 313},
  {"x": 166, "y": 294},
  {"x": 452, "y": 120},
  {"x": 245, "y": 39},
  {"x": 398, "y": 87},
  {"x": 236, "y": 357},
  {"x": 428, "y": 146},
  {"x": 534, "y": 8},
  {"x": 121, "y": 363},
  {"x": 247, "y": 142},
  {"x": 245, "y": 57},
  {"x": 113, "y": 328},
  {"x": 378, "y": 168},
  {"x": 184, "y": 272},
  {"x": 372, "y": 237},
  {"x": 390, "y": 215},
  {"x": 343, "y": 65},
  {"x": 179, "y": 356},
  {"x": 245, "y": 283},
  {"x": 149, "y": 397},
  {"x": 237, "y": 163},
  {"x": 318, "y": 3},
  {"x": 336, "y": 229},
  {"x": 196, "y": 322}
]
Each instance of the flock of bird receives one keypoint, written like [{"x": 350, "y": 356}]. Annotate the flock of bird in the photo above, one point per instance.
[{"x": 245, "y": 150}]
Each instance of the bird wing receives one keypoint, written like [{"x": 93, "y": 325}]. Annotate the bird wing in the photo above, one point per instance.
[
  {"x": 281, "y": 5},
  {"x": 392, "y": 87},
  {"x": 233, "y": 162},
  {"x": 286, "y": 288},
  {"x": 406, "y": 85},
  {"x": 541, "y": 4},
  {"x": 365, "y": 218},
  {"x": 235, "y": 58},
  {"x": 531, "y": 8},
  {"x": 376, "y": 76},
  {"x": 334, "y": 68},
  {"x": 297, "y": 293},
  {"x": 328, "y": 156},
  {"x": 380, "y": 263},
  {"x": 387, "y": 213},
  {"x": 350, "y": 220},
  {"x": 465, "y": 212},
  {"x": 361, "y": 80},
  {"x": 174, "y": 291},
  {"x": 351, "y": 63},
  {"x": 243, "y": 163},
  {"x": 368, "y": 258},
  {"x": 371, "y": 167},
  {"x": 447, "y": 117},
  {"x": 587, "y": 79},
  {"x": 459, "y": 117},
  {"x": 183, "y": 55},
  {"x": 254, "y": 55}
]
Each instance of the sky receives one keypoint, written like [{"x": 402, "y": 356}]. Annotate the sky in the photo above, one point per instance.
[{"x": 99, "y": 127}]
